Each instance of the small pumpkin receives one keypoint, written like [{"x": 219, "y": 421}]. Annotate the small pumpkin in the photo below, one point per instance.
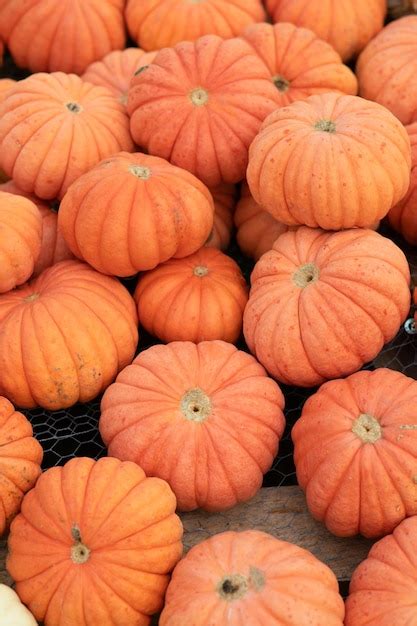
[
  {"x": 20, "y": 459},
  {"x": 156, "y": 24},
  {"x": 64, "y": 336},
  {"x": 43, "y": 128},
  {"x": 323, "y": 304},
  {"x": 403, "y": 216},
  {"x": 224, "y": 198},
  {"x": 210, "y": 401},
  {"x": 200, "y": 105},
  {"x": 94, "y": 544},
  {"x": 331, "y": 161},
  {"x": 133, "y": 211},
  {"x": 198, "y": 298},
  {"x": 12, "y": 611}
]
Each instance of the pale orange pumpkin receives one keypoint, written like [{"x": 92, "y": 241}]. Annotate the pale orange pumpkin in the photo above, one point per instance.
[
  {"x": 224, "y": 198},
  {"x": 403, "y": 216}
]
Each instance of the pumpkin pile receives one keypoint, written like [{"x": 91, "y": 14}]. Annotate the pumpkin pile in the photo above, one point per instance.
[{"x": 151, "y": 151}]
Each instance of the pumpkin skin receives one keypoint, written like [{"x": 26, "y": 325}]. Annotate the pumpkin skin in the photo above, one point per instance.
[
  {"x": 156, "y": 24},
  {"x": 198, "y": 298},
  {"x": 332, "y": 161},
  {"x": 162, "y": 211},
  {"x": 403, "y": 216},
  {"x": 64, "y": 336},
  {"x": 347, "y": 25},
  {"x": 20, "y": 459},
  {"x": 12, "y": 610},
  {"x": 44, "y": 123},
  {"x": 61, "y": 35},
  {"x": 219, "y": 408},
  {"x": 106, "y": 528},
  {"x": 200, "y": 105},
  {"x": 20, "y": 243},
  {"x": 5, "y": 85},
  {"x": 322, "y": 304},
  {"x": 224, "y": 198},
  {"x": 386, "y": 68},
  {"x": 247, "y": 577}
]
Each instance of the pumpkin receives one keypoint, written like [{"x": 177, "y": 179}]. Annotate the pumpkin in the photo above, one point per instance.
[
  {"x": 61, "y": 35},
  {"x": 299, "y": 63},
  {"x": 64, "y": 336},
  {"x": 198, "y": 298},
  {"x": 161, "y": 211},
  {"x": 5, "y": 85},
  {"x": 20, "y": 460},
  {"x": 12, "y": 611},
  {"x": 94, "y": 543},
  {"x": 224, "y": 198},
  {"x": 20, "y": 243},
  {"x": 116, "y": 69},
  {"x": 252, "y": 578},
  {"x": 210, "y": 401},
  {"x": 200, "y": 105},
  {"x": 323, "y": 304},
  {"x": 403, "y": 216},
  {"x": 156, "y": 24},
  {"x": 383, "y": 588},
  {"x": 43, "y": 128},
  {"x": 332, "y": 161},
  {"x": 347, "y": 25}
]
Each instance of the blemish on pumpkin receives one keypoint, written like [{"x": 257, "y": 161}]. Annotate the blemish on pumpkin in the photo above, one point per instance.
[
  {"x": 32, "y": 297},
  {"x": 235, "y": 586},
  {"x": 408, "y": 426},
  {"x": 367, "y": 428},
  {"x": 74, "y": 107},
  {"x": 140, "y": 70},
  {"x": 199, "y": 97},
  {"x": 195, "y": 405},
  {"x": 123, "y": 98}
]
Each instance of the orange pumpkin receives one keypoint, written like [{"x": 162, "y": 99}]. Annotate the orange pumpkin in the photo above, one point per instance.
[
  {"x": 210, "y": 401},
  {"x": 387, "y": 66},
  {"x": 61, "y": 35},
  {"x": 332, "y": 161},
  {"x": 299, "y": 63},
  {"x": 20, "y": 242},
  {"x": 323, "y": 304},
  {"x": 224, "y": 198},
  {"x": 116, "y": 69},
  {"x": 200, "y": 297},
  {"x": 200, "y": 105},
  {"x": 5, "y": 85},
  {"x": 403, "y": 216},
  {"x": 94, "y": 543},
  {"x": 44, "y": 123},
  {"x": 20, "y": 460},
  {"x": 64, "y": 336},
  {"x": 156, "y": 24},
  {"x": 251, "y": 578},
  {"x": 160, "y": 211},
  {"x": 347, "y": 25}
]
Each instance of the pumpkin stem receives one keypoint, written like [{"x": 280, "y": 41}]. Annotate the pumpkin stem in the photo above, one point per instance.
[
  {"x": 200, "y": 270},
  {"x": 195, "y": 405},
  {"x": 199, "y": 97},
  {"x": 32, "y": 297},
  {"x": 74, "y": 107},
  {"x": 327, "y": 126},
  {"x": 281, "y": 83},
  {"x": 235, "y": 586},
  {"x": 140, "y": 172},
  {"x": 306, "y": 275},
  {"x": 79, "y": 552},
  {"x": 367, "y": 428}
]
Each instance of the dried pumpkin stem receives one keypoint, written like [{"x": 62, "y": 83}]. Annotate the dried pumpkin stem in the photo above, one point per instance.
[
  {"x": 199, "y": 97},
  {"x": 281, "y": 83},
  {"x": 200, "y": 270},
  {"x": 306, "y": 275},
  {"x": 79, "y": 552},
  {"x": 32, "y": 297},
  {"x": 195, "y": 405},
  {"x": 140, "y": 172},
  {"x": 367, "y": 428},
  {"x": 235, "y": 586},
  {"x": 74, "y": 107},
  {"x": 326, "y": 126}
]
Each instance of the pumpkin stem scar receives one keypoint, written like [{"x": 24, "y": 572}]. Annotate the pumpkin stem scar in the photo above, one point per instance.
[
  {"x": 195, "y": 405},
  {"x": 367, "y": 428},
  {"x": 306, "y": 275},
  {"x": 326, "y": 126},
  {"x": 235, "y": 586},
  {"x": 79, "y": 552},
  {"x": 199, "y": 97},
  {"x": 74, "y": 107},
  {"x": 200, "y": 270},
  {"x": 140, "y": 172},
  {"x": 281, "y": 83},
  {"x": 32, "y": 297}
]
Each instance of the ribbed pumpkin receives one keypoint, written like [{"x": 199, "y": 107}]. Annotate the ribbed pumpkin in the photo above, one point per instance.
[
  {"x": 251, "y": 578},
  {"x": 224, "y": 198},
  {"x": 44, "y": 124},
  {"x": 61, "y": 35},
  {"x": 94, "y": 543},
  {"x": 156, "y": 24},
  {"x": 347, "y": 25},
  {"x": 200, "y": 297},
  {"x": 323, "y": 304},
  {"x": 332, "y": 161},
  {"x": 116, "y": 70},
  {"x": 64, "y": 336},
  {"x": 200, "y": 105},
  {"x": 383, "y": 588},
  {"x": 300, "y": 64},
  {"x": 20, "y": 460},
  {"x": 20, "y": 241},
  {"x": 403, "y": 216},
  {"x": 133, "y": 211},
  {"x": 196, "y": 415},
  {"x": 387, "y": 66}
]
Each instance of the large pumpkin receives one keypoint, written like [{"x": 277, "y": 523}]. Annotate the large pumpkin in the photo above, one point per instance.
[
  {"x": 251, "y": 578},
  {"x": 387, "y": 67},
  {"x": 224, "y": 197},
  {"x": 204, "y": 417},
  {"x": 20, "y": 460},
  {"x": 332, "y": 161},
  {"x": 44, "y": 123},
  {"x": 403, "y": 216},
  {"x": 200, "y": 105},
  {"x": 200, "y": 297},
  {"x": 347, "y": 25},
  {"x": 133, "y": 211},
  {"x": 156, "y": 24},
  {"x": 61, "y": 35},
  {"x": 20, "y": 241},
  {"x": 64, "y": 336},
  {"x": 323, "y": 304},
  {"x": 94, "y": 543}
]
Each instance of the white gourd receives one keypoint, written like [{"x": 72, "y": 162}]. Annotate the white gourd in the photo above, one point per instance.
[{"x": 12, "y": 611}]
